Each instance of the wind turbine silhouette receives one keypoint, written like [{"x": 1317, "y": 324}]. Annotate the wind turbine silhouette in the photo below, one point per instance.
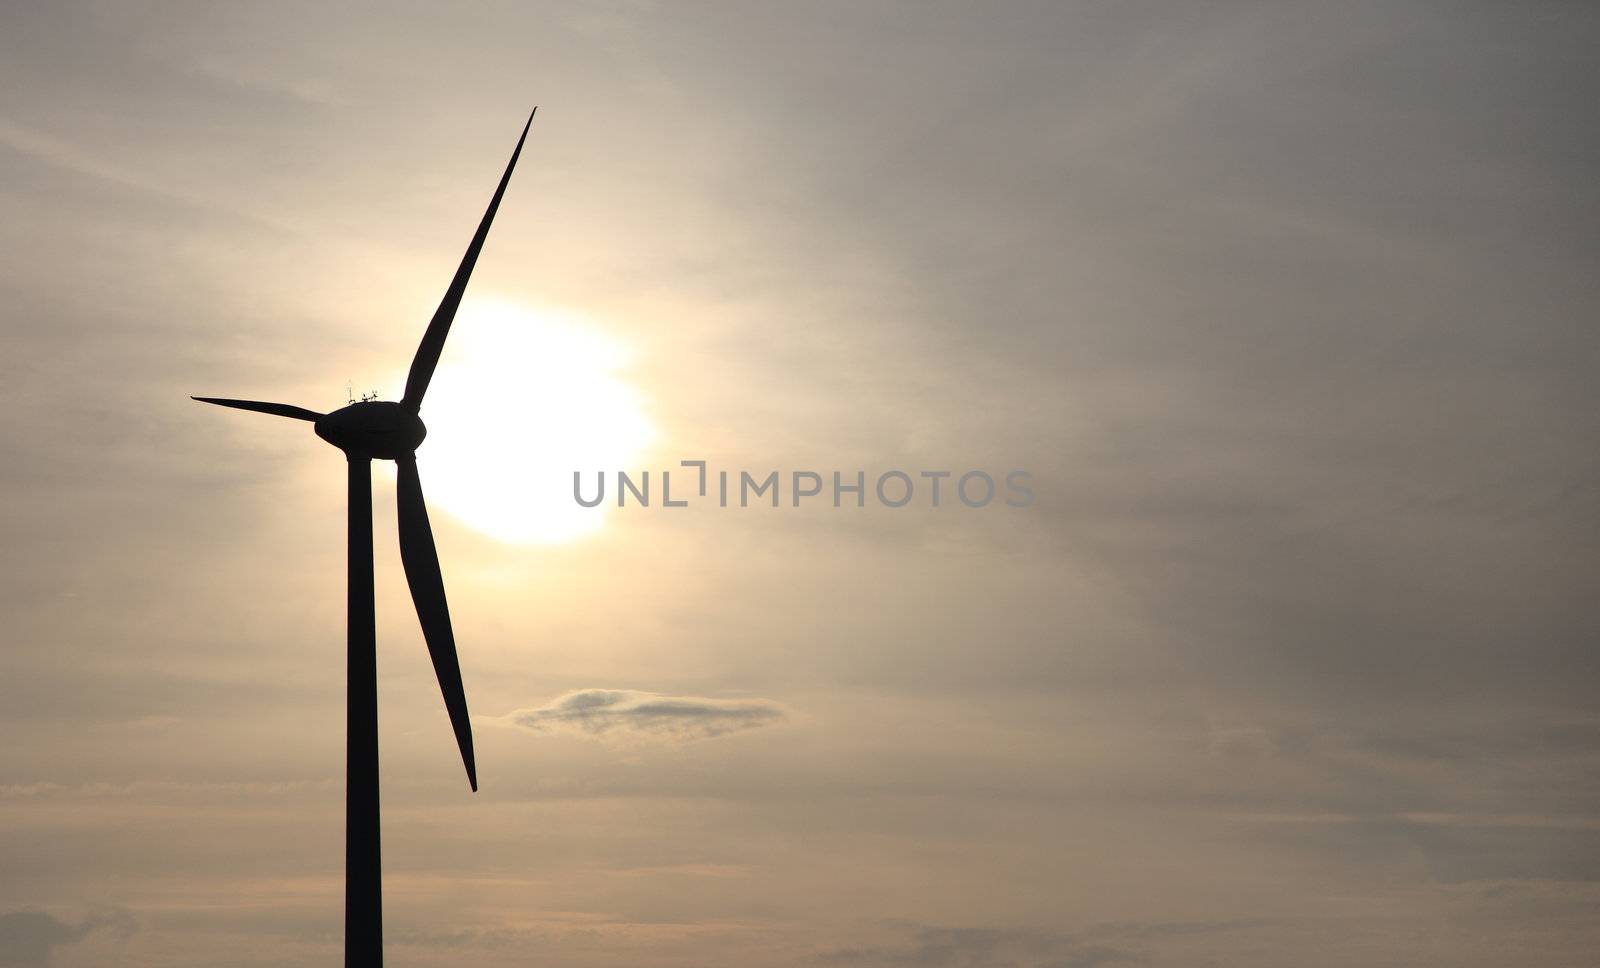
[{"x": 384, "y": 430}]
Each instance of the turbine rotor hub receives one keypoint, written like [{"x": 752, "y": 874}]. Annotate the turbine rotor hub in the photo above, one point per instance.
[{"x": 373, "y": 429}]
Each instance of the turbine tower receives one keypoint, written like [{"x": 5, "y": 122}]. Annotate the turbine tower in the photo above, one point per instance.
[{"x": 369, "y": 430}]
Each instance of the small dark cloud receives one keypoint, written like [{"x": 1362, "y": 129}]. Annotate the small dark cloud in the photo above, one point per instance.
[
  {"x": 619, "y": 713},
  {"x": 28, "y": 938}
]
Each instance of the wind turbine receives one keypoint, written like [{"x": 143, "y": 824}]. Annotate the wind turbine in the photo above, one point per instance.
[{"x": 384, "y": 430}]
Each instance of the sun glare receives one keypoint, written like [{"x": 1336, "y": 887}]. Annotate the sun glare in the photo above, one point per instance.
[{"x": 522, "y": 398}]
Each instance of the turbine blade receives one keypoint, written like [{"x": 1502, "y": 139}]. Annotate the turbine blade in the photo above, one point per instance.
[
  {"x": 439, "y": 327},
  {"x": 281, "y": 409},
  {"x": 421, "y": 562}
]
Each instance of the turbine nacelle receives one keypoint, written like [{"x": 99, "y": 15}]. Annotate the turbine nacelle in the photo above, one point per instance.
[{"x": 373, "y": 429}]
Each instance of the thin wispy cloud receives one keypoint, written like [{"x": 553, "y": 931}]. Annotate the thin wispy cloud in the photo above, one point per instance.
[
  {"x": 53, "y": 151},
  {"x": 972, "y": 947},
  {"x": 629, "y": 713},
  {"x": 47, "y": 149}
]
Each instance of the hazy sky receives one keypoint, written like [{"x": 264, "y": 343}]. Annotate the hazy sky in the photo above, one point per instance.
[{"x": 1288, "y": 308}]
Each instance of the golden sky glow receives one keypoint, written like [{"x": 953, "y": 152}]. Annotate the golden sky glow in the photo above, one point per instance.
[{"x": 525, "y": 397}]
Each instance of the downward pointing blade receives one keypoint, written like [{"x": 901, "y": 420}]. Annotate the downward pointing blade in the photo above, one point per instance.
[
  {"x": 421, "y": 561},
  {"x": 281, "y": 409},
  {"x": 433, "y": 340}
]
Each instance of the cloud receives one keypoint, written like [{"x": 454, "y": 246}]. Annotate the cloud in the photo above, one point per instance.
[
  {"x": 983, "y": 948},
  {"x": 27, "y": 938},
  {"x": 973, "y": 947},
  {"x": 618, "y": 713}
]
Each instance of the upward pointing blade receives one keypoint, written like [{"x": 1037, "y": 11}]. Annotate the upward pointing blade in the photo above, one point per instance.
[
  {"x": 281, "y": 409},
  {"x": 421, "y": 562},
  {"x": 433, "y": 340}
]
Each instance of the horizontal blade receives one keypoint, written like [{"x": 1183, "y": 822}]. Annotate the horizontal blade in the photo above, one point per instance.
[
  {"x": 281, "y": 409},
  {"x": 432, "y": 345},
  {"x": 421, "y": 562}
]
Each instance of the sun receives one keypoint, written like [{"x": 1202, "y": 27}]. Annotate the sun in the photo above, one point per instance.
[{"x": 522, "y": 398}]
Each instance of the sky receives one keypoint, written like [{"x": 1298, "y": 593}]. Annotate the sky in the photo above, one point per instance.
[{"x": 1286, "y": 309}]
